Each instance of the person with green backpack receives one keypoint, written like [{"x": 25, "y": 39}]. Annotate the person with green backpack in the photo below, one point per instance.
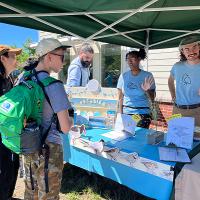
[
  {"x": 43, "y": 170},
  {"x": 9, "y": 160}
]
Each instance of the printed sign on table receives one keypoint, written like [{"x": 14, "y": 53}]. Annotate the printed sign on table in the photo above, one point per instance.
[
  {"x": 95, "y": 109},
  {"x": 180, "y": 132}
]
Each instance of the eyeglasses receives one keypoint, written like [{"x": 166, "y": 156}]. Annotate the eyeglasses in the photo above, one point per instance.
[{"x": 62, "y": 56}]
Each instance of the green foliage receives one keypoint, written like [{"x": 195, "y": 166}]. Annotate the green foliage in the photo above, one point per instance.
[{"x": 27, "y": 52}]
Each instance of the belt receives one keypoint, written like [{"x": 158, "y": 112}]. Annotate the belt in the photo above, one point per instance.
[{"x": 188, "y": 106}]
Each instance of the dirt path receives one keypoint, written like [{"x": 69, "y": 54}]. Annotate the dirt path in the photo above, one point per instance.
[{"x": 19, "y": 190}]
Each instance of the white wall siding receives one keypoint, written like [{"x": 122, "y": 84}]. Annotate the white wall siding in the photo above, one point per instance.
[{"x": 160, "y": 62}]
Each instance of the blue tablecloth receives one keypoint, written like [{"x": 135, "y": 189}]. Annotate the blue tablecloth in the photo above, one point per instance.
[{"x": 140, "y": 181}]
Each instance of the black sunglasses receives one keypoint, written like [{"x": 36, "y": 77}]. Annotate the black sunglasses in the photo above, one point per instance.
[{"x": 62, "y": 56}]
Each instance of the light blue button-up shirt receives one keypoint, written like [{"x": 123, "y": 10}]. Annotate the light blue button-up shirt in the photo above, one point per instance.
[{"x": 77, "y": 74}]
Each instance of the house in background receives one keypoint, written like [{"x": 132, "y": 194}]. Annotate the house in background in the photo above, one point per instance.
[{"x": 109, "y": 62}]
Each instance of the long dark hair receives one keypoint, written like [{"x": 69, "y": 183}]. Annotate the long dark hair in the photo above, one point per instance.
[
  {"x": 2, "y": 67},
  {"x": 138, "y": 54}
]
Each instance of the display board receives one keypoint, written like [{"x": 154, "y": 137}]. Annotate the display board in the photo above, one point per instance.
[{"x": 94, "y": 109}]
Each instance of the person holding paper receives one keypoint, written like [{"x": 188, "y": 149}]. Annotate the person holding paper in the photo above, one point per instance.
[
  {"x": 136, "y": 89},
  {"x": 186, "y": 73}
]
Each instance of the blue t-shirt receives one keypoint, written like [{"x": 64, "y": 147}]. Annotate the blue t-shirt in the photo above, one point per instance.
[
  {"x": 187, "y": 83},
  {"x": 134, "y": 95},
  {"x": 77, "y": 74},
  {"x": 59, "y": 102}
]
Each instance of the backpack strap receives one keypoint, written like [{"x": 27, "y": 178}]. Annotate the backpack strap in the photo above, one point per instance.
[
  {"x": 45, "y": 148},
  {"x": 44, "y": 83},
  {"x": 49, "y": 80}
]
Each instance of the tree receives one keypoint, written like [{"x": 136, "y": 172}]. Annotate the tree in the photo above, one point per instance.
[{"x": 27, "y": 52}]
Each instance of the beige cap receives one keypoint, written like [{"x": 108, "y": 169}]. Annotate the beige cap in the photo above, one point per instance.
[
  {"x": 5, "y": 48},
  {"x": 47, "y": 45},
  {"x": 189, "y": 40}
]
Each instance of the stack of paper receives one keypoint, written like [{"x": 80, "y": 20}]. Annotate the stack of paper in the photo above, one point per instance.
[
  {"x": 179, "y": 138},
  {"x": 174, "y": 154}
]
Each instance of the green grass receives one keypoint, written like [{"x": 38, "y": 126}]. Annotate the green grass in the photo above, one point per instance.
[{"x": 78, "y": 184}]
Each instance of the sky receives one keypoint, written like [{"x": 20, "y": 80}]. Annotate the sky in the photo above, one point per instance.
[{"x": 16, "y": 35}]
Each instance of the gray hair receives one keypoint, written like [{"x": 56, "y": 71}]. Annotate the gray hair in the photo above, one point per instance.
[{"x": 86, "y": 47}]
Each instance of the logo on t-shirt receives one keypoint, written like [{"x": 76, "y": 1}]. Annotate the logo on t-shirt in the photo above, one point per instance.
[
  {"x": 132, "y": 85},
  {"x": 186, "y": 79}
]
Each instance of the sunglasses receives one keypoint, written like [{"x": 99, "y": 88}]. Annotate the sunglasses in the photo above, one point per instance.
[{"x": 62, "y": 56}]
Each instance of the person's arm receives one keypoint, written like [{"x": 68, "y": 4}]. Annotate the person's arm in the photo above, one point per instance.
[
  {"x": 151, "y": 94},
  {"x": 121, "y": 97},
  {"x": 171, "y": 86},
  {"x": 60, "y": 105},
  {"x": 65, "y": 121},
  {"x": 149, "y": 87},
  {"x": 74, "y": 76},
  {"x": 120, "y": 85}
]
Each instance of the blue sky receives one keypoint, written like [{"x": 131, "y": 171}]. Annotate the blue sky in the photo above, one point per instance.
[{"x": 15, "y": 35}]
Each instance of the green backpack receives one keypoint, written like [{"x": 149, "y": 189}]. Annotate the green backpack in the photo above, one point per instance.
[{"x": 21, "y": 114}]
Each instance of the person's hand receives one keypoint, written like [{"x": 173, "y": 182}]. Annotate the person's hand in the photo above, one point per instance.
[
  {"x": 80, "y": 129},
  {"x": 148, "y": 82}
]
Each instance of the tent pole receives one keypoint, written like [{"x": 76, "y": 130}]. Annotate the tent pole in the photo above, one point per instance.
[
  {"x": 99, "y": 12},
  {"x": 114, "y": 34},
  {"x": 40, "y": 20},
  {"x": 120, "y": 33},
  {"x": 177, "y": 37},
  {"x": 147, "y": 48},
  {"x": 170, "y": 30},
  {"x": 123, "y": 18}
]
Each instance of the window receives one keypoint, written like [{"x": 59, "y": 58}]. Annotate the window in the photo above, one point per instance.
[{"x": 111, "y": 64}]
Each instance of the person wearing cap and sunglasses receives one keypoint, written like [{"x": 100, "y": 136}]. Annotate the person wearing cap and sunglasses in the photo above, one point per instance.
[
  {"x": 9, "y": 161},
  {"x": 50, "y": 53},
  {"x": 186, "y": 73}
]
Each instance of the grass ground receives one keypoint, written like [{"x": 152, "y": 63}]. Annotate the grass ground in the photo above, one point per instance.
[{"x": 78, "y": 184}]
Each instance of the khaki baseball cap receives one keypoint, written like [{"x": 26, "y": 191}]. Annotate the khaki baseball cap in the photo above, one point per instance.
[
  {"x": 47, "y": 45},
  {"x": 5, "y": 49},
  {"x": 189, "y": 40}
]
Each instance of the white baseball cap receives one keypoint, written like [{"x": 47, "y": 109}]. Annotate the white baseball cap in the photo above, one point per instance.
[{"x": 47, "y": 45}]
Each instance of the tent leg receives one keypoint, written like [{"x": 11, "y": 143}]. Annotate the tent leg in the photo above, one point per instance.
[{"x": 147, "y": 48}]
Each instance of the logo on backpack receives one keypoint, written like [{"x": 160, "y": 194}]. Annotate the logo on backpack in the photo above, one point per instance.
[{"x": 6, "y": 106}]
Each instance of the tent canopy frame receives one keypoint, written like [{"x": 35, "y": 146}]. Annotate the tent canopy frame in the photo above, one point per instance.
[{"x": 98, "y": 34}]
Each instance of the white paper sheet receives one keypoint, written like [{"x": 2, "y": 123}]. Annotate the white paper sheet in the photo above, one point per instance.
[
  {"x": 125, "y": 123},
  {"x": 173, "y": 154},
  {"x": 180, "y": 132},
  {"x": 117, "y": 135}
]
